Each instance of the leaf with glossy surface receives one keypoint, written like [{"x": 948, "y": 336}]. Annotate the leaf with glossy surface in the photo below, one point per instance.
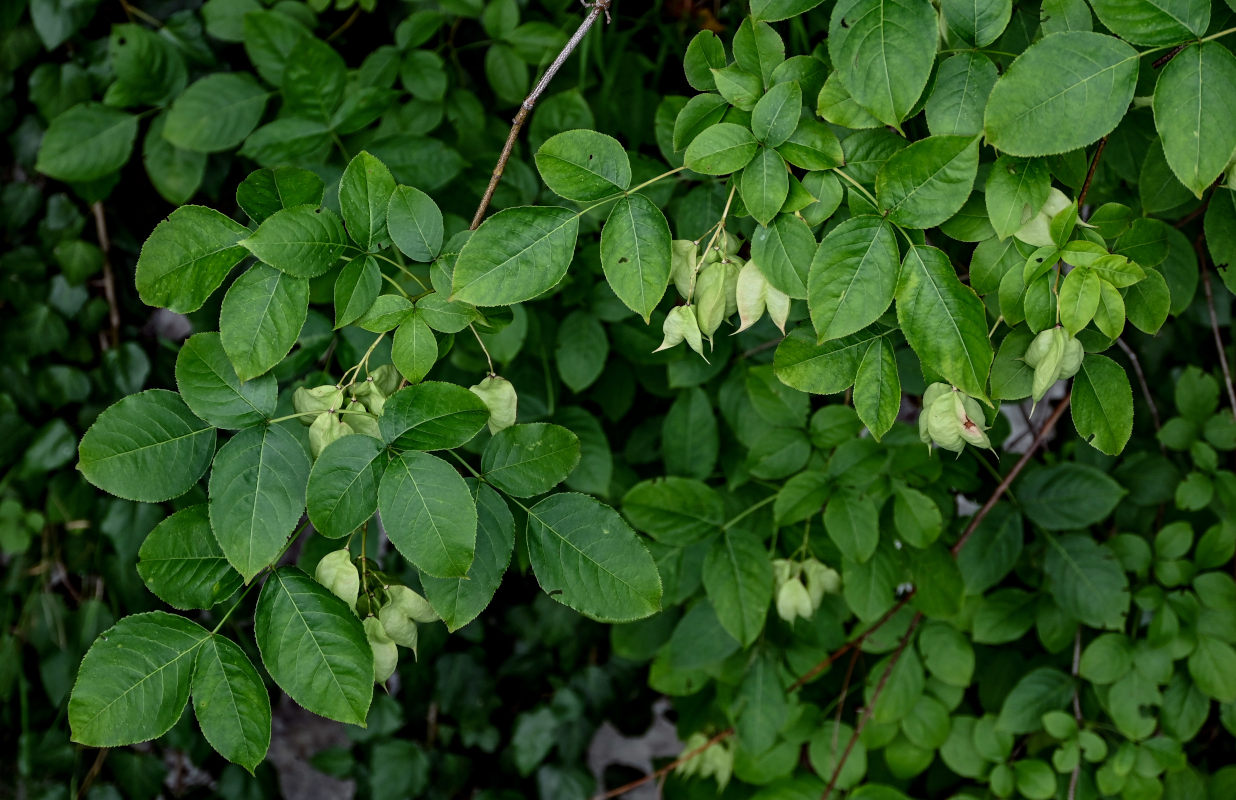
[
  {"x": 783, "y": 252},
  {"x": 134, "y": 682},
  {"x": 959, "y": 96},
  {"x": 148, "y": 447},
  {"x": 515, "y": 255},
  {"x": 1068, "y": 496},
  {"x": 1103, "y": 404},
  {"x": 266, "y": 191},
  {"x": 187, "y": 256},
  {"x": 1087, "y": 581},
  {"x": 720, "y": 149},
  {"x": 527, "y": 460},
  {"x": 261, "y": 318},
  {"x": 231, "y": 702},
  {"x": 765, "y": 184},
  {"x": 977, "y": 22},
  {"x": 674, "y": 511},
  {"x": 180, "y": 561},
  {"x": 364, "y": 192},
  {"x": 429, "y": 514},
  {"x": 303, "y": 241},
  {"x": 216, "y": 113},
  {"x": 775, "y": 10},
  {"x": 415, "y": 223},
  {"x": 1194, "y": 104},
  {"x": 884, "y": 50},
  {"x": 852, "y": 277},
  {"x": 583, "y": 165},
  {"x": 1066, "y": 91},
  {"x": 1016, "y": 190},
  {"x": 739, "y": 581},
  {"x": 432, "y": 416},
  {"x": 1154, "y": 22},
  {"x": 586, "y": 557},
  {"x": 635, "y": 253},
  {"x": 314, "y": 647},
  {"x": 460, "y": 600},
  {"x": 826, "y": 368},
  {"x": 209, "y": 386},
  {"x": 356, "y": 289},
  {"x": 342, "y": 492},
  {"x": 929, "y": 181},
  {"x": 257, "y": 494},
  {"x": 776, "y": 114},
  {"x": 87, "y": 142},
  {"x": 877, "y": 388},
  {"x": 944, "y": 321}
]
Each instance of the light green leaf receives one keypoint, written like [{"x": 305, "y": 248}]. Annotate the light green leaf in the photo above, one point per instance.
[
  {"x": 783, "y": 252},
  {"x": 364, "y": 191},
  {"x": 929, "y": 181},
  {"x": 1154, "y": 22},
  {"x": 917, "y": 517},
  {"x": 527, "y": 460},
  {"x": 674, "y": 511},
  {"x": 414, "y": 349},
  {"x": 775, "y": 10},
  {"x": 739, "y": 581},
  {"x": 959, "y": 97},
  {"x": 87, "y": 142},
  {"x": 257, "y": 494},
  {"x": 852, "y": 521},
  {"x": 314, "y": 647},
  {"x": 303, "y": 241},
  {"x": 635, "y": 253},
  {"x": 515, "y": 255},
  {"x": 740, "y": 87},
  {"x": 877, "y": 389},
  {"x": 1086, "y": 581},
  {"x": 1068, "y": 496},
  {"x": 134, "y": 682},
  {"x": 231, "y": 702},
  {"x": 586, "y": 557},
  {"x": 776, "y": 114},
  {"x": 947, "y": 654},
  {"x": 216, "y": 113},
  {"x": 415, "y": 223},
  {"x": 826, "y": 368},
  {"x": 1103, "y": 404},
  {"x": 261, "y": 318},
  {"x": 852, "y": 277},
  {"x": 432, "y": 416},
  {"x": 1016, "y": 190},
  {"x": 181, "y": 562},
  {"x": 342, "y": 493},
  {"x": 209, "y": 386},
  {"x": 429, "y": 514},
  {"x": 1194, "y": 103},
  {"x": 704, "y": 52},
  {"x": 884, "y": 50},
  {"x": 1079, "y": 299},
  {"x": 812, "y": 146},
  {"x": 1066, "y": 91},
  {"x": 977, "y": 22},
  {"x": 147, "y": 447},
  {"x": 583, "y": 165},
  {"x": 721, "y": 149},
  {"x": 187, "y": 256},
  {"x": 765, "y": 185},
  {"x": 460, "y": 600},
  {"x": 1148, "y": 302}
]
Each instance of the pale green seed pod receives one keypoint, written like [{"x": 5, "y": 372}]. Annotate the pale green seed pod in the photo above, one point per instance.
[
  {"x": 821, "y": 580},
  {"x": 325, "y": 429},
  {"x": 318, "y": 399},
  {"x": 339, "y": 575},
  {"x": 942, "y": 423},
  {"x": 679, "y": 326},
  {"x": 368, "y": 393},
  {"x": 710, "y": 298},
  {"x": 1037, "y": 230},
  {"x": 932, "y": 393},
  {"x": 728, "y": 243},
  {"x": 718, "y": 763},
  {"x": 385, "y": 654},
  {"x": 499, "y": 397},
  {"x": 777, "y": 303},
  {"x": 733, "y": 267},
  {"x": 783, "y": 570},
  {"x": 398, "y": 626},
  {"x": 411, "y": 604},
  {"x": 973, "y": 422},
  {"x": 691, "y": 766},
  {"x": 362, "y": 421},
  {"x": 749, "y": 294},
  {"x": 1047, "y": 370},
  {"x": 1040, "y": 347},
  {"x": 684, "y": 258},
  {"x": 793, "y": 601},
  {"x": 1071, "y": 362},
  {"x": 387, "y": 379}
]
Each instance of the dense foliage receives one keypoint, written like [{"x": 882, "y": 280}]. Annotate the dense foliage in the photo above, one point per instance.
[{"x": 852, "y": 373}]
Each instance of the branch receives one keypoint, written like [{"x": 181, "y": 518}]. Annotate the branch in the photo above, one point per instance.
[
  {"x": 1141, "y": 378},
  {"x": 668, "y": 768},
  {"x": 598, "y": 7},
  {"x": 109, "y": 280},
  {"x": 1214, "y": 326},
  {"x": 1094, "y": 164}
]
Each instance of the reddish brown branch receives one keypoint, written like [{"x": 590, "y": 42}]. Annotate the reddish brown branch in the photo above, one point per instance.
[
  {"x": 1094, "y": 164},
  {"x": 668, "y": 768}
]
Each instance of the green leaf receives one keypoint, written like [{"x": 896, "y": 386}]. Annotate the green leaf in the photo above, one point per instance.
[
  {"x": 944, "y": 320},
  {"x": 1148, "y": 302},
  {"x": 1066, "y": 91},
  {"x": 303, "y": 241},
  {"x": 582, "y": 350},
  {"x": 414, "y": 349},
  {"x": 257, "y": 494},
  {"x": 852, "y": 521},
  {"x": 1016, "y": 190},
  {"x": 776, "y": 114},
  {"x": 783, "y": 252},
  {"x": 181, "y": 562},
  {"x": 187, "y": 256},
  {"x": 704, "y": 52},
  {"x": 992, "y": 550},
  {"x": 1079, "y": 299},
  {"x": 231, "y": 702},
  {"x": 917, "y": 517},
  {"x": 146, "y": 447},
  {"x": 356, "y": 289},
  {"x": 415, "y": 223},
  {"x": 429, "y": 514},
  {"x": 586, "y": 557},
  {"x": 1086, "y": 581},
  {"x": 635, "y": 253},
  {"x": 1154, "y": 22},
  {"x": 87, "y": 142},
  {"x": 689, "y": 439},
  {"x": 261, "y": 318},
  {"x": 959, "y": 97},
  {"x": 940, "y": 588},
  {"x": 884, "y": 50},
  {"x": 977, "y": 22},
  {"x": 721, "y": 149},
  {"x": 674, "y": 511},
  {"x": 852, "y": 277},
  {"x": 1212, "y": 665},
  {"x": 740, "y": 87},
  {"x": 869, "y": 587},
  {"x": 929, "y": 181},
  {"x": 364, "y": 192},
  {"x": 460, "y": 600},
  {"x": 176, "y": 174},
  {"x": 266, "y": 191},
  {"x": 877, "y": 389},
  {"x": 269, "y": 39},
  {"x": 762, "y": 705},
  {"x": 216, "y": 113},
  {"x": 134, "y": 682},
  {"x": 1039, "y": 691},
  {"x": 342, "y": 493},
  {"x": 812, "y": 146},
  {"x": 583, "y": 165},
  {"x": 209, "y": 386},
  {"x": 1103, "y": 404},
  {"x": 775, "y": 10},
  {"x": 758, "y": 49},
  {"x": 314, "y": 647},
  {"x": 947, "y": 654},
  {"x": 765, "y": 184},
  {"x": 1068, "y": 496},
  {"x": 827, "y": 368},
  {"x": 432, "y": 416},
  {"x": 314, "y": 79},
  {"x": 1194, "y": 101},
  {"x": 1106, "y": 659},
  {"x": 739, "y": 581},
  {"x": 527, "y": 460},
  {"x": 515, "y": 255}
]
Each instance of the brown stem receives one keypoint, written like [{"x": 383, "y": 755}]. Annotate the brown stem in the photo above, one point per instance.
[
  {"x": 1094, "y": 163},
  {"x": 99, "y": 758},
  {"x": 598, "y": 7},
  {"x": 667, "y": 769},
  {"x": 1141, "y": 378},
  {"x": 853, "y": 644},
  {"x": 109, "y": 279},
  {"x": 347, "y": 23},
  {"x": 1214, "y": 327},
  {"x": 1161, "y": 60}
]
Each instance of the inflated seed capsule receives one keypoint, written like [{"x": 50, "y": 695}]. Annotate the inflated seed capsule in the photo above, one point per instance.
[
  {"x": 339, "y": 575},
  {"x": 362, "y": 421},
  {"x": 325, "y": 429},
  {"x": 710, "y": 298},
  {"x": 680, "y": 325},
  {"x": 733, "y": 267},
  {"x": 793, "y": 601},
  {"x": 385, "y": 654},
  {"x": 1037, "y": 230},
  {"x": 310, "y": 402},
  {"x": 387, "y": 379},
  {"x": 972, "y": 421},
  {"x": 1072, "y": 360},
  {"x": 411, "y": 604},
  {"x": 398, "y": 626},
  {"x": 684, "y": 257},
  {"x": 750, "y": 295},
  {"x": 1046, "y": 358},
  {"x": 933, "y": 392},
  {"x": 942, "y": 423},
  {"x": 821, "y": 580},
  {"x": 499, "y": 397},
  {"x": 368, "y": 393}
]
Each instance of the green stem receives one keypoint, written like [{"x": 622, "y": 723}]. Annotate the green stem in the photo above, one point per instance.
[
  {"x": 858, "y": 186},
  {"x": 401, "y": 268},
  {"x": 307, "y": 413},
  {"x": 750, "y": 510},
  {"x": 651, "y": 181}
]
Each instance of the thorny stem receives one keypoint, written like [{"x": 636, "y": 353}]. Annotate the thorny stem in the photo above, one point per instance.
[{"x": 598, "y": 7}]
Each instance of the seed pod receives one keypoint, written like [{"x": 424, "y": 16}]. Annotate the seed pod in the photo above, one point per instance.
[
  {"x": 972, "y": 421},
  {"x": 385, "y": 654},
  {"x": 387, "y": 379},
  {"x": 728, "y": 243},
  {"x": 499, "y": 397},
  {"x": 398, "y": 626},
  {"x": 821, "y": 580},
  {"x": 943, "y": 424},
  {"x": 1071, "y": 362},
  {"x": 933, "y": 393},
  {"x": 777, "y": 304},
  {"x": 718, "y": 762},
  {"x": 318, "y": 399},
  {"x": 680, "y": 325},
  {"x": 362, "y": 421},
  {"x": 783, "y": 570},
  {"x": 793, "y": 601},
  {"x": 411, "y": 604},
  {"x": 1037, "y": 230},
  {"x": 733, "y": 267},
  {"x": 1048, "y": 360},
  {"x": 1040, "y": 347},
  {"x": 750, "y": 295},
  {"x": 339, "y": 575},
  {"x": 324, "y": 430},
  {"x": 691, "y": 766},
  {"x": 684, "y": 258},
  {"x": 368, "y": 393},
  {"x": 710, "y": 298}
]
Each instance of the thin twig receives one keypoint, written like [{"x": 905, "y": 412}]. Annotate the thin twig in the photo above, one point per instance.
[
  {"x": 347, "y": 23},
  {"x": 1077, "y": 714},
  {"x": 1214, "y": 326},
  {"x": 1161, "y": 60},
  {"x": 668, "y": 768},
  {"x": 99, "y": 758},
  {"x": 1094, "y": 163},
  {"x": 853, "y": 644},
  {"x": 598, "y": 7},
  {"x": 1141, "y": 378},
  {"x": 109, "y": 279}
]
